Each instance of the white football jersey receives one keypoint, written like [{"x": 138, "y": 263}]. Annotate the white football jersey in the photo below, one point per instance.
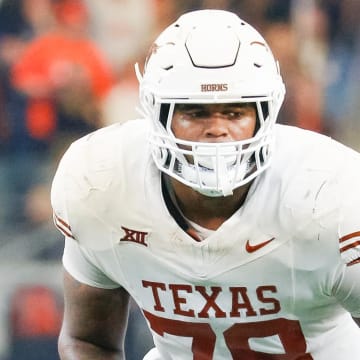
[{"x": 278, "y": 280}]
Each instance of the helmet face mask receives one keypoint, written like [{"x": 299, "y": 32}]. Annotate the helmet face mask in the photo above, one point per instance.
[{"x": 211, "y": 57}]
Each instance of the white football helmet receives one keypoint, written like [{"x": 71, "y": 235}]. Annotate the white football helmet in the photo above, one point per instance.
[{"x": 211, "y": 56}]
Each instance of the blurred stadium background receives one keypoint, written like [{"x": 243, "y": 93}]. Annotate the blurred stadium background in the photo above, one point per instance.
[{"x": 66, "y": 68}]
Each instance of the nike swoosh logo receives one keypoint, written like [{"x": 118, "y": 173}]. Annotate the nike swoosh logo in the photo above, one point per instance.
[{"x": 252, "y": 248}]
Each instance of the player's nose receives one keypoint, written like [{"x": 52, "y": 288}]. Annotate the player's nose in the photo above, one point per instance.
[{"x": 216, "y": 126}]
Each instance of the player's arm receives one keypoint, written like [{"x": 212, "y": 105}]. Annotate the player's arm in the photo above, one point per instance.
[{"x": 94, "y": 322}]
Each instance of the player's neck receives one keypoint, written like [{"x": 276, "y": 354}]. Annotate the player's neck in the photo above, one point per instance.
[{"x": 209, "y": 212}]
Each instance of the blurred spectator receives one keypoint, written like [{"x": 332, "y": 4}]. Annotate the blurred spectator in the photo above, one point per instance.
[{"x": 64, "y": 75}]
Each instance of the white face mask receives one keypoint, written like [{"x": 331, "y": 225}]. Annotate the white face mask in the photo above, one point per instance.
[
  {"x": 214, "y": 165},
  {"x": 216, "y": 177}
]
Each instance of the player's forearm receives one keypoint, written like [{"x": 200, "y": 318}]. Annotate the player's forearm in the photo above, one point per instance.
[{"x": 74, "y": 349}]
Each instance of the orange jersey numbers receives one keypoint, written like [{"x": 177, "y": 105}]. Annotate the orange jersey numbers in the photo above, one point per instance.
[{"x": 236, "y": 337}]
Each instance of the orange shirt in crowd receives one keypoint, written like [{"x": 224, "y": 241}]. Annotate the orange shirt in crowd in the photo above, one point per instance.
[{"x": 52, "y": 62}]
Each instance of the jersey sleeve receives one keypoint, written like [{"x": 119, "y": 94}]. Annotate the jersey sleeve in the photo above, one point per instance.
[
  {"x": 82, "y": 264},
  {"x": 79, "y": 261},
  {"x": 59, "y": 197},
  {"x": 83, "y": 189},
  {"x": 349, "y": 224}
]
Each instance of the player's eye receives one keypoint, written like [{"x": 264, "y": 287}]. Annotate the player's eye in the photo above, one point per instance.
[
  {"x": 233, "y": 114},
  {"x": 195, "y": 114}
]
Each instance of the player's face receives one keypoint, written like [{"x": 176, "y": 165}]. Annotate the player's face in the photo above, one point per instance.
[{"x": 214, "y": 122}]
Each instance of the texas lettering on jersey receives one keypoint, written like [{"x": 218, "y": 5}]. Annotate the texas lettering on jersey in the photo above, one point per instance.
[{"x": 238, "y": 294}]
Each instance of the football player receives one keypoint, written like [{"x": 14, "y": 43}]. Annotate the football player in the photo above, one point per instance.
[{"x": 237, "y": 237}]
